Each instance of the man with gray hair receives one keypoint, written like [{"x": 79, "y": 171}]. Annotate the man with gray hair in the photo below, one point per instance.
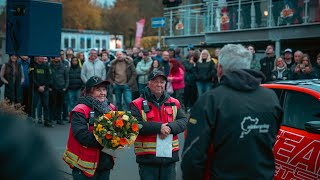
[{"x": 232, "y": 128}]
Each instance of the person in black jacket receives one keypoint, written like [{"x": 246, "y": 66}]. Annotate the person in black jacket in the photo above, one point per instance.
[
  {"x": 58, "y": 88},
  {"x": 165, "y": 62},
  {"x": 239, "y": 119},
  {"x": 267, "y": 63},
  {"x": 205, "y": 72},
  {"x": 75, "y": 82},
  {"x": 40, "y": 79},
  {"x": 190, "y": 92},
  {"x": 24, "y": 152}
]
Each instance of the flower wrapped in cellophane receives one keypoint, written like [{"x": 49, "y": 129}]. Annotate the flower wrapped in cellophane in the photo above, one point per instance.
[{"x": 116, "y": 130}]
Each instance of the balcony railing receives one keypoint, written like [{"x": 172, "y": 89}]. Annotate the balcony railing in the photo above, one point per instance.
[{"x": 219, "y": 15}]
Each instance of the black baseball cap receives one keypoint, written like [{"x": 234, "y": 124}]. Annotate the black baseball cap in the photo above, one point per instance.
[
  {"x": 155, "y": 74},
  {"x": 95, "y": 81}
]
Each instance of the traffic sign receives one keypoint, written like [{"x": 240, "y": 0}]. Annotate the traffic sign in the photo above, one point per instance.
[{"x": 158, "y": 22}]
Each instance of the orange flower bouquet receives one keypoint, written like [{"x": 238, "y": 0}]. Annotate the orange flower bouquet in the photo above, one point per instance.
[{"x": 116, "y": 130}]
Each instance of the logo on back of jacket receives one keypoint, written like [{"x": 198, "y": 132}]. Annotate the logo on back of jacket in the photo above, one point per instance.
[
  {"x": 40, "y": 71},
  {"x": 250, "y": 124}
]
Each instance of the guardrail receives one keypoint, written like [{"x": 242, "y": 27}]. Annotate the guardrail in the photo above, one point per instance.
[{"x": 222, "y": 15}]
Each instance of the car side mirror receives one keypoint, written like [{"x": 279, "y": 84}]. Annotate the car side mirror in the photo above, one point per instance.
[{"x": 313, "y": 127}]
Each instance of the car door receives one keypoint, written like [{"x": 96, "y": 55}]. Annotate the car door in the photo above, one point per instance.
[{"x": 297, "y": 147}]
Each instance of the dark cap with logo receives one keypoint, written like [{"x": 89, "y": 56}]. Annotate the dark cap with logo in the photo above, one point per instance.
[
  {"x": 95, "y": 81},
  {"x": 155, "y": 74}
]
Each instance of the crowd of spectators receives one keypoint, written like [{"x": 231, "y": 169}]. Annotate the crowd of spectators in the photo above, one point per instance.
[{"x": 51, "y": 86}]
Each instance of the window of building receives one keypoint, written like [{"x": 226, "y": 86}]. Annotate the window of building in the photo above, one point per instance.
[
  {"x": 104, "y": 43},
  {"x": 66, "y": 43},
  {"x": 97, "y": 43},
  {"x": 88, "y": 43},
  {"x": 82, "y": 43},
  {"x": 73, "y": 43}
]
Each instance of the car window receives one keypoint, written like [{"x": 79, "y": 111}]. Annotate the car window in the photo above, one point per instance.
[
  {"x": 279, "y": 93},
  {"x": 300, "y": 108}
]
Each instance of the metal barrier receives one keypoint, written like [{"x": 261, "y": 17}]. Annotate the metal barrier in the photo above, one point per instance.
[{"x": 222, "y": 15}]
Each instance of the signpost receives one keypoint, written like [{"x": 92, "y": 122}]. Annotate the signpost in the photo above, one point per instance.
[{"x": 158, "y": 22}]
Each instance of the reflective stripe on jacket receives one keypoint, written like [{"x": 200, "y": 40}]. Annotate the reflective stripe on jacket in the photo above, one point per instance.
[
  {"x": 76, "y": 155},
  {"x": 166, "y": 114}
]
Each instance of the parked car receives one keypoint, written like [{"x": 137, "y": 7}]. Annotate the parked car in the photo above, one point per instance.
[{"x": 297, "y": 147}]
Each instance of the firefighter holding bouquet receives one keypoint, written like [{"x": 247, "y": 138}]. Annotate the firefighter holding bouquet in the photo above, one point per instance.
[
  {"x": 116, "y": 130},
  {"x": 84, "y": 153}
]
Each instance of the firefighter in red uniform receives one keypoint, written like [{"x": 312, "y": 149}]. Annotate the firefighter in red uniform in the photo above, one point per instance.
[
  {"x": 162, "y": 119},
  {"x": 83, "y": 153}
]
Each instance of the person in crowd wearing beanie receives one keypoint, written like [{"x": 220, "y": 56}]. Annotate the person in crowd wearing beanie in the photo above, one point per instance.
[
  {"x": 162, "y": 119},
  {"x": 83, "y": 153},
  {"x": 190, "y": 51}
]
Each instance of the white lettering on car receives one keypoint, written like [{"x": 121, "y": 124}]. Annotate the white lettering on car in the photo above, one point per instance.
[{"x": 297, "y": 157}]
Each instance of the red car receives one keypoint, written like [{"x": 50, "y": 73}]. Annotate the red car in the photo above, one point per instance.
[{"x": 297, "y": 148}]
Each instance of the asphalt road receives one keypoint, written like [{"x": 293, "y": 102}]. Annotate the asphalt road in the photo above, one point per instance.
[{"x": 125, "y": 165}]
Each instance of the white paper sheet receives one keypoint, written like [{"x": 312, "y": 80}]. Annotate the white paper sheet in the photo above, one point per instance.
[{"x": 164, "y": 146}]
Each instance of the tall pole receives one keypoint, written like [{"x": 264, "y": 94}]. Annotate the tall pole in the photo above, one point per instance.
[
  {"x": 171, "y": 22},
  {"x": 159, "y": 36},
  {"x": 270, "y": 15},
  {"x": 239, "y": 15}
]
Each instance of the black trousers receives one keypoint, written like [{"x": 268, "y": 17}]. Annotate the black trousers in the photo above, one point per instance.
[
  {"x": 26, "y": 100},
  {"x": 56, "y": 104},
  {"x": 190, "y": 95},
  {"x": 157, "y": 172},
  {"x": 99, "y": 175},
  {"x": 43, "y": 97}
]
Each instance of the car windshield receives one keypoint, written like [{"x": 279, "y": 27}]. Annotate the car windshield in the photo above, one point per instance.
[{"x": 300, "y": 108}]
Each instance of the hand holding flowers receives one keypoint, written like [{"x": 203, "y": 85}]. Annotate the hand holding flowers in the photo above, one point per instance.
[{"x": 116, "y": 129}]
